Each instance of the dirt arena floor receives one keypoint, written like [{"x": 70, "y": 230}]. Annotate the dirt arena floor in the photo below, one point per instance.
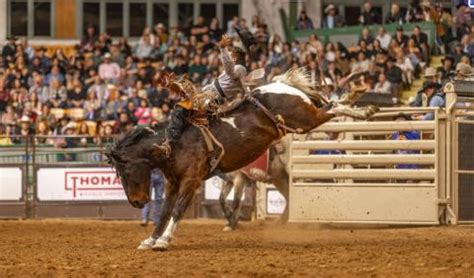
[{"x": 93, "y": 248}]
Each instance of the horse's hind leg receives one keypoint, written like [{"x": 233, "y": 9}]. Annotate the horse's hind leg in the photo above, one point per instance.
[
  {"x": 239, "y": 184},
  {"x": 225, "y": 190},
  {"x": 186, "y": 193},
  {"x": 362, "y": 113}
]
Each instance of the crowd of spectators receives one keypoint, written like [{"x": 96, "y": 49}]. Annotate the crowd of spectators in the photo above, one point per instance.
[{"x": 108, "y": 86}]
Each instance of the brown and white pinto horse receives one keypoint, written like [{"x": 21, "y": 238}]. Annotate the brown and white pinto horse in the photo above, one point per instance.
[{"x": 245, "y": 133}]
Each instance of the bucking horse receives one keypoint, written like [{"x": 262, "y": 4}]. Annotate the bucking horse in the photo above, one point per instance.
[{"x": 244, "y": 133}]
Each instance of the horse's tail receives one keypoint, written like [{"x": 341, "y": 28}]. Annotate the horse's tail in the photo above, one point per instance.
[{"x": 300, "y": 78}]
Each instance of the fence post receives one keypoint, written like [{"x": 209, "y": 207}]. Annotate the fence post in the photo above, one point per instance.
[{"x": 26, "y": 183}]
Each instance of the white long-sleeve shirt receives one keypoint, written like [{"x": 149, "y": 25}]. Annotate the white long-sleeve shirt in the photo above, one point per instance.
[{"x": 229, "y": 80}]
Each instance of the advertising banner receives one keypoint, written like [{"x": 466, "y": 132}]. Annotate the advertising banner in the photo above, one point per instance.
[
  {"x": 79, "y": 184},
  {"x": 10, "y": 184},
  {"x": 212, "y": 190},
  {"x": 275, "y": 201}
]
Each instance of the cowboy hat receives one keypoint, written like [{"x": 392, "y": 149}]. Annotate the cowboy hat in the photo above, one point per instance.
[
  {"x": 429, "y": 85},
  {"x": 328, "y": 8},
  {"x": 25, "y": 119},
  {"x": 425, "y": 4},
  {"x": 448, "y": 57},
  {"x": 464, "y": 70},
  {"x": 70, "y": 125},
  {"x": 430, "y": 72},
  {"x": 111, "y": 87},
  {"x": 246, "y": 37}
]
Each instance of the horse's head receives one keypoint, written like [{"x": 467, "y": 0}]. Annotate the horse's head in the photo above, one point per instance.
[{"x": 127, "y": 156}]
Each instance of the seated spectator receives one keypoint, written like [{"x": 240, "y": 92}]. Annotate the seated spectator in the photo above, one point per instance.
[
  {"x": 57, "y": 94},
  {"x": 383, "y": 37},
  {"x": 415, "y": 55},
  {"x": 197, "y": 69},
  {"x": 407, "y": 69},
  {"x": 362, "y": 63},
  {"x": 304, "y": 22},
  {"x": 85, "y": 139},
  {"x": 333, "y": 72},
  {"x": 395, "y": 15},
  {"x": 143, "y": 113},
  {"x": 25, "y": 128},
  {"x": 109, "y": 71},
  {"x": 421, "y": 41},
  {"x": 9, "y": 117},
  {"x": 446, "y": 71},
  {"x": 76, "y": 95},
  {"x": 39, "y": 88},
  {"x": 400, "y": 37},
  {"x": 394, "y": 76},
  {"x": 5, "y": 139},
  {"x": 383, "y": 86},
  {"x": 121, "y": 123},
  {"x": 54, "y": 74},
  {"x": 43, "y": 129},
  {"x": 366, "y": 36},
  {"x": 91, "y": 106},
  {"x": 4, "y": 96},
  {"x": 144, "y": 47}
]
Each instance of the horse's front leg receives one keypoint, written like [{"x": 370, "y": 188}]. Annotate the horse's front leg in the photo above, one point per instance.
[
  {"x": 186, "y": 193},
  {"x": 171, "y": 194}
]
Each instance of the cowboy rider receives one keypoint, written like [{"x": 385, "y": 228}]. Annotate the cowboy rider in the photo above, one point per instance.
[{"x": 226, "y": 87}]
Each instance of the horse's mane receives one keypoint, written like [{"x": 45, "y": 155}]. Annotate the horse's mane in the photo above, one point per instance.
[
  {"x": 120, "y": 146},
  {"x": 300, "y": 78}
]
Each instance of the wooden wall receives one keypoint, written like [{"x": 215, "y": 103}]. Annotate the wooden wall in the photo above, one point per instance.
[{"x": 65, "y": 25}]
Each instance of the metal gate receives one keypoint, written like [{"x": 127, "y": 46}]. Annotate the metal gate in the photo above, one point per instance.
[
  {"x": 14, "y": 163},
  {"x": 354, "y": 172},
  {"x": 461, "y": 139}
]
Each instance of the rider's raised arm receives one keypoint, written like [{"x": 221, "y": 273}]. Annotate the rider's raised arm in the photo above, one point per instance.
[{"x": 229, "y": 65}]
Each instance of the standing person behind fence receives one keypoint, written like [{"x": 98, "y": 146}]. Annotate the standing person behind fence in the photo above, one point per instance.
[{"x": 157, "y": 184}]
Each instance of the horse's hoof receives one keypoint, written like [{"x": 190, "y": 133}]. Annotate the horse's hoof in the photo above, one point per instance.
[
  {"x": 227, "y": 229},
  {"x": 160, "y": 245},
  {"x": 147, "y": 244}
]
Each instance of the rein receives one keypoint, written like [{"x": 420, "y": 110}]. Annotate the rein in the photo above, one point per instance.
[{"x": 277, "y": 120}]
